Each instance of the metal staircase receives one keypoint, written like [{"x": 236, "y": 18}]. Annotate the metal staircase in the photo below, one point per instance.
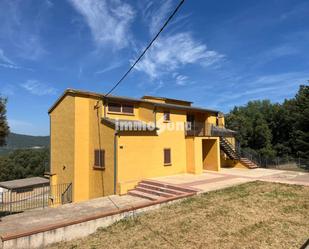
[{"x": 233, "y": 154}]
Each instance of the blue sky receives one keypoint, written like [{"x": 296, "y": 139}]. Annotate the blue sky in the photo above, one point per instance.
[{"x": 216, "y": 53}]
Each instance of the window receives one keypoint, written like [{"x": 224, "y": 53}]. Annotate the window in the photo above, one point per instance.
[
  {"x": 166, "y": 116},
  {"x": 167, "y": 157},
  {"x": 114, "y": 107},
  {"x": 121, "y": 108},
  {"x": 127, "y": 108},
  {"x": 99, "y": 158}
]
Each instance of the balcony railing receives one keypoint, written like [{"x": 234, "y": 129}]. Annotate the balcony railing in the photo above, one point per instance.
[{"x": 199, "y": 129}]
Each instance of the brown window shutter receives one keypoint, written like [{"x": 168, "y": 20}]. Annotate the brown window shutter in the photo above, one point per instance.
[
  {"x": 99, "y": 158},
  {"x": 102, "y": 158},
  {"x": 167, "y": 156},
  {"x": 95, "y": 158}
]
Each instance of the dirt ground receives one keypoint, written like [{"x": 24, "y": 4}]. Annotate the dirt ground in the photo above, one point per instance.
[{"x": 251, "y": 215}]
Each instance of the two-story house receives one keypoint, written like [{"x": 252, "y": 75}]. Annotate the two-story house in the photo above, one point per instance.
[{"x": 106, "y": 145}]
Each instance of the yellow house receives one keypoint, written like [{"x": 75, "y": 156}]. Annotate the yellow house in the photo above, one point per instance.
[{"x": 106, "y": 145}]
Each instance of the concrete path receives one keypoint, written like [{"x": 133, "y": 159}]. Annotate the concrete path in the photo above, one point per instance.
[
  {"x": 227, "y": 177},
  {"x": 50, "y": 217}
]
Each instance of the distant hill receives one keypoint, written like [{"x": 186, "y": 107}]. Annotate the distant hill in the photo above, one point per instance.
[{"x": 20, "y": 141}]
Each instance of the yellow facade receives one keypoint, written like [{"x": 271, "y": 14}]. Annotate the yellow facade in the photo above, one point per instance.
[
  {"x": 76, "y": 131},
  {"x": 80, "y": 125},
  {"x": 62, "y": 138}
]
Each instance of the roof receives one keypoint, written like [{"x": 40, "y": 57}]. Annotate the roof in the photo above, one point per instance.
[
  {"x": 187, "y": 108},
  {"x": 98, "y": 96},
  {"x": 82, "y": 93},
  {"x": 23, "y": 183},
  {"x": 164, "y": 98},
  {"x": 129, "y": 125}
]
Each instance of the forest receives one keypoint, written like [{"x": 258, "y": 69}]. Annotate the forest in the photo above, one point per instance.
[{"x": 270, "y": 130}]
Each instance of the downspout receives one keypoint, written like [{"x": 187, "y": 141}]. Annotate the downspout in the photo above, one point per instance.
[
  {"x": 155, "y": 117},
  {"x": 115, "y": 162},
  {"x": 104, "y": 101},
  {"x": 115, "y": 147}
]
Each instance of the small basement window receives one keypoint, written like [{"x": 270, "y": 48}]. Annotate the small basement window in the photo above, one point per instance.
[
  {"x": 166, "y": 116},
  {"x": 99, "y": 159},
  {"x": 167, "y": 157}
]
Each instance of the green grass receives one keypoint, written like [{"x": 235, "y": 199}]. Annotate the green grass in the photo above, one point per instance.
[{"x": 251, "y": 215}]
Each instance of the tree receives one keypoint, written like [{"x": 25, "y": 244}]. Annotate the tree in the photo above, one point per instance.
[
  {"x": 301, "y": 119},
  {"x": 274, "y": 129},
  {"x": 23, "y": 163},
  {"x": 252, "y": 125},
  {"x": 4, "y": 128}
]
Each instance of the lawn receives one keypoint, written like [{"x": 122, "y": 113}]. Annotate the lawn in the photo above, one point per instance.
[{"x": 252, "y": 215}]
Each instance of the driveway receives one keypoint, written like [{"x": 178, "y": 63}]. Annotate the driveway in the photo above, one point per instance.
[{"x": 226, "y": 177}]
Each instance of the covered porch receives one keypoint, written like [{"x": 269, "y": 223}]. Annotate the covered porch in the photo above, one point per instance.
[{"x": 203, "y": 153}]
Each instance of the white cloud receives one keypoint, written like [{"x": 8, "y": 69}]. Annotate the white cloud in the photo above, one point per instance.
[
  {"x": 4, "y": 58},
  {"x": 111, "y": 67},
  {"x": 172, "y": 52},
  {"x": 275, "y": 87},
  {"x": 38, "y": 88},
  {"x": 21, "y": 32},
  {"x": 6, "y": 62},
  {"x": 180, "y": 79},
  {"x": 10, "y": 66},
  {"x": 155, "y": 12},
  {"x": 109, "y": 20},
  {"x": 31, "y": 47},
  {"x": 49, "y": 3}
]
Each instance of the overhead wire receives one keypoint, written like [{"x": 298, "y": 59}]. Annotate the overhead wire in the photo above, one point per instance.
[{"x": 145, "y": 50}]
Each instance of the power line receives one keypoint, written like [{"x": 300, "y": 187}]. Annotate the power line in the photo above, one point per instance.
[{"x": 145, "y": 50}]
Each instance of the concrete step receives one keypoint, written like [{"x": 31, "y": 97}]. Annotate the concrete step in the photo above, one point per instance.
[
  {"x": 143, "y": 195},
  {"x": 162, "y": 189},
  {"x": 153, "y": 192},
  {"x": 169, "y": 186}
]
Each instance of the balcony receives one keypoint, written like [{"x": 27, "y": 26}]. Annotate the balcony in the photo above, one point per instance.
[{"x": 199, "y": 129}]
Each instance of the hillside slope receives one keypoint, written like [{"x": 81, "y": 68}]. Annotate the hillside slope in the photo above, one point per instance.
[
  {"x": 16, "y": 141},
  {"x": 19, "y": 141}
]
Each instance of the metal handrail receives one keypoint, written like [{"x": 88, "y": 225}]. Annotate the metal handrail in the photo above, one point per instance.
[
  {"x": 248, "y": 155},
  {"x": 198, "y": 129},
  {"x": 69, "y": 191}
]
